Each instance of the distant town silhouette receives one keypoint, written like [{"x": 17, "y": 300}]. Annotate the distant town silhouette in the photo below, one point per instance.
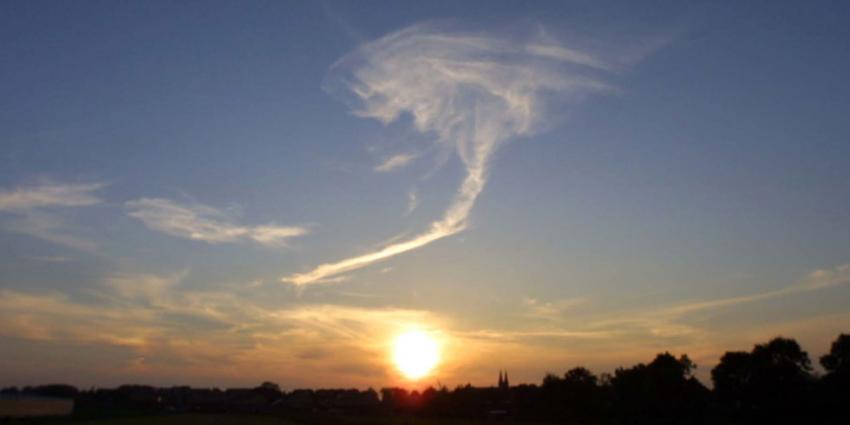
[{"x": 772, "y": 383}]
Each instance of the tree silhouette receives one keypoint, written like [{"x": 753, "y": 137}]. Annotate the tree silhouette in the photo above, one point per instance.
[
  {"x": 580, "y": 378},
  {"x": 269, "y": 390},
  {"x": 833, "y": 393},
  {"x": 575, "y": 397},
  {"x": 581, "y": 390},
  {"x": 772, "y": 382},
  {"x": 838, "y": 359},
  {"x": 663, "y": 391},
  {"x": 732, "y": 380}
]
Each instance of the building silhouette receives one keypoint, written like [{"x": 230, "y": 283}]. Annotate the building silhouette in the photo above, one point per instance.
[{"x": 503, "y": 380}]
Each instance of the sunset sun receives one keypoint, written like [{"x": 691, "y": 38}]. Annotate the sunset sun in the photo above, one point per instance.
[{"x": 415, "y": 353}]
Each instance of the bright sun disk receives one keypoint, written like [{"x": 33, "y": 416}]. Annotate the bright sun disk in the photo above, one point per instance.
[{"x": 415, "y": 353}]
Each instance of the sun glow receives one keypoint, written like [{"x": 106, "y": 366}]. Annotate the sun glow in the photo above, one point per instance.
[{"x": 415, "y": 353}]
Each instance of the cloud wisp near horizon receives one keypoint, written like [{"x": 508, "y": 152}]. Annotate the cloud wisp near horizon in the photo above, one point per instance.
[
  {"x": 470, "y": 92},
  {"x": 157, "y": 318}
]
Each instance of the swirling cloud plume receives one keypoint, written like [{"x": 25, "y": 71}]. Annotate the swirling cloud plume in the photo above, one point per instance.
[{"x": 471, "y": 92}]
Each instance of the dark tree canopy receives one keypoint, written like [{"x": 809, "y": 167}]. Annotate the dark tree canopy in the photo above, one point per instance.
[
  {"x": 783, "y": 353},
  {"x": 772, "y": 382},
  {"x": 732, "y": 376},
  {"x": 580, "y": 377},
  {"x": 838, "y": 359},
  {"x": 664, "y": 391}
]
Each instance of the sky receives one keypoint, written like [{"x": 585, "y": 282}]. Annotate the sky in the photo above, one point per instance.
[{"x": 226, "y": 193}]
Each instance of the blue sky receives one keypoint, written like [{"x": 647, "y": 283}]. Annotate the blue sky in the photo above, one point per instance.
[{"x": 661, "y": 176}]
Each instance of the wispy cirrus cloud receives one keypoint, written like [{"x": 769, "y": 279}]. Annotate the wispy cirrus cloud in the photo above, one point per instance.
[
  {"x": 33, "y": 208},
  {"x": 205, "y": 223},
  {"x": 816, "y": 280},
  {"x": 412, "y": 201},
  {"x": 669, "y": 321},
  {"x": 565, "y": 54},
  {"x": 471, "y": 92},
  {"x": 394, "y": 162},
  {"x": 49, "y": 194},
  {"x": 550, "y": 310},
  {"x": 52, "y": 228}
]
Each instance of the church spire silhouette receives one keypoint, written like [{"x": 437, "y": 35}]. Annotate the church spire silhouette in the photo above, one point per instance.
[{"x": 503, "y": 379}]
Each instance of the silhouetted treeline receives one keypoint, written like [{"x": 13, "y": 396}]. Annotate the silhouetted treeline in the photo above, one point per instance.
[{"x": 772, "y": 383}]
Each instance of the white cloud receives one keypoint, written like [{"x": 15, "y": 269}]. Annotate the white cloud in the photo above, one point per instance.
[
  {"x": 412, "y": 201},
  {"x": 31, "y": 205},
  {"x": 205, "y": 223},
  {"x": 394, "y": 162},
  {"x": 51, "y": 228},
  {"x": 818, "y": 279},
  {"x": 666, "y": 321},
  {"x": 550, "y": 310},
  {"x": 49, "y": 194},
  {"x": 564, "y": 54},
  {"x": 471, "y": 92}
]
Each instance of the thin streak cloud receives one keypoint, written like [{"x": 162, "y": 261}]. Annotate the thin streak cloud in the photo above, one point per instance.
[
  {"x": 394, "y": 162},
  {"x": 32, "y": 206},
  {"x": 564, "y": 54},
  {"x": 50, "y": 194},
  {"x": 666, "y": 321},
  {"x": 205, "y": 223},
  {"x": 471, "y": 92},
  {"x": 412, "y": 201},
  {"x": 51, "y": 228},
  {"x": 818, "y": 279}
]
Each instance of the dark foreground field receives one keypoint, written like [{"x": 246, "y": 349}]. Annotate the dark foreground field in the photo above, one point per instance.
[
  {"x": 227, "y": 419},
  {"x": 191, "y": 420}
]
